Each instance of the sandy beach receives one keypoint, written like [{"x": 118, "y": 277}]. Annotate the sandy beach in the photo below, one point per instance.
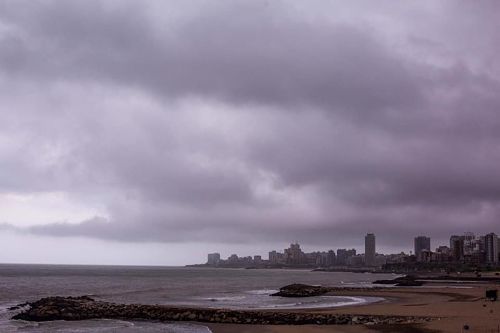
[{"x": 451, "y": 306}]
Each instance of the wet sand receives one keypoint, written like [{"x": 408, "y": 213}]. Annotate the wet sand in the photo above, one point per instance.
[{"x": 451, "y": 307}]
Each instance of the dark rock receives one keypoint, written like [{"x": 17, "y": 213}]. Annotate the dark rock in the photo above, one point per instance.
[
  {"x": 403, "y": 281},
  {"x": 409, "y": 283},
  {"x": 301, "y": 290},
  {"x": 492, "y": 295}
]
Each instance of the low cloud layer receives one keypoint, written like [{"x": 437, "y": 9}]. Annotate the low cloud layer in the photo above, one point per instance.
[{"x": 242, "y": 122}]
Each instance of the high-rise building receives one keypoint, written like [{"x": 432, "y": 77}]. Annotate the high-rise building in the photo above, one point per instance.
[
  {"x": 481, "y": 244},
  {"x": 294, "y": 255},
  {"x": 470, "y": 243},
  {"x": 273, "y": 257},
  {"x": 422, "y": 243},
  {"x": 491, "y": 248},
  {"x": 332, "y": 258},
  {"x": 213, "y": 259},
  {"x": 453, "y": 240},
  {"x": 370, "y": 250},
  {"x": 457, "y": 247}
]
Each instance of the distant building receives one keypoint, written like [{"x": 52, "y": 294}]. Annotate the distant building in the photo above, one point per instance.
[
  {"x": 445, "y": 250},
  {"x": 276, "y": 258},
  {"x": 481, "y": 244},
  {"x": 246, "y": 260},
  {"x": 474, "y": 259},
  {"x": 396, "y": 258},
  {"x": 321, "y": 259},
  {"x": 294, "y": 255},
  {"x": 356, "y": 260},
  {"x": 491, "y": 248},
  {"x": 343, "y": 255},
  {"x": 332, "y": 258},
  {"x": 425, "y": 256},
  {"x": 453, "y": 240},
  {"x": 443, "y": 254},
  {"x": 421, "y": 243},
  {"x": 257, "y": 259},
  {"x": 457, "y": 247},
  {"x": 370, "y": 250},
  {"x": 213, "y": 259},
  {"x": 470, "y": 243},
  {"x": 380, "y": 260},
  {"x": 233, "y": 259},
  {"x": 273, "y": 257}
]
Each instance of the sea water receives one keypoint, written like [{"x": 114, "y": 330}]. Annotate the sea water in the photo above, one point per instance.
[{"x": 179, "y": 286}]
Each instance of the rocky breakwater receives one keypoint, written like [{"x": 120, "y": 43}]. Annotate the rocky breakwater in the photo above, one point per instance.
[
  {"x": 305, "y": 290},
  {"x": 403, "y": 281},
  {"x": 81, "y": 308},
  {"x": 301, "y": 290}
]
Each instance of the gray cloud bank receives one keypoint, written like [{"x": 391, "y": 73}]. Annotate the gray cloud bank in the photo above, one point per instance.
[{"x": 245, "y": 121}]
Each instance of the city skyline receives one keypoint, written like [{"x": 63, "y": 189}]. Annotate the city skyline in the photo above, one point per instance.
[{"x": 455, "y": 249}]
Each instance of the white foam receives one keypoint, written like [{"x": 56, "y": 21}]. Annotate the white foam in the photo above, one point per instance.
[{"x": 262, "y": 291}]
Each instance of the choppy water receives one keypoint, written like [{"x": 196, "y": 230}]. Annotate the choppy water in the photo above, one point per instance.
[{"x": 204, "y": 287}]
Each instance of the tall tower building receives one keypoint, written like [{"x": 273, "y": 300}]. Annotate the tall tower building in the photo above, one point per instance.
[
  {"x": 457, "y": 248},
  {"x": 454, "y": 239},
  {"x": 491, "y": 248},
  {"x": 469, "y": 243},
  {"x": 370, "y": 250},
  {"x": 422, "y": 243}
]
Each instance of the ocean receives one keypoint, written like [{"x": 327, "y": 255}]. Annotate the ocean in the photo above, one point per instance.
[{"x": 180, "y": 286}]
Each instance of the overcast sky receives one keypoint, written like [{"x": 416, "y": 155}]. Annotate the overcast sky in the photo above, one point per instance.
[{"x": 153, "y": 132}]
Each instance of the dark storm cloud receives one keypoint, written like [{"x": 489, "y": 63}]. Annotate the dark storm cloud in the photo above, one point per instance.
[
  {"x": 259, "y": 54},
  {"x": 244, "y": 122}
]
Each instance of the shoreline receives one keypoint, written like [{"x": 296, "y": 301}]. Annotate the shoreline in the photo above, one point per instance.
[
  {"x": 451, "y": 308},
  {"x": 436, "y": 307}
]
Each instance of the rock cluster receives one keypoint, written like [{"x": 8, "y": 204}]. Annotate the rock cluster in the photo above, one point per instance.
[
  {"x": 301, "y": 290},
  {"x": 305, "y": 290},
  {"x": 81, "y": 308},
  {"x": 403, "y": 281}
]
